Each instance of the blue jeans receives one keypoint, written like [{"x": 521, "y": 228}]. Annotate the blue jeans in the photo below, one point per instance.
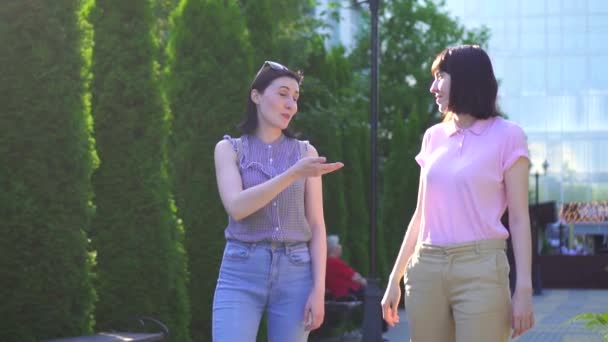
[{"x": 257, "y": 278}]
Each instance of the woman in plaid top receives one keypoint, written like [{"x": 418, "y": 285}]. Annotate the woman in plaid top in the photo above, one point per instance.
[{"x": 270, "y": 185}]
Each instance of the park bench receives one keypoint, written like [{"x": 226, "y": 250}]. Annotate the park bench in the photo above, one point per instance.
[
  {"x": 341, "y": 310},
  {"x": 112, "y": 337},
  {"x": 336, "y": 312},
  {"x": 125, "y": 335}
]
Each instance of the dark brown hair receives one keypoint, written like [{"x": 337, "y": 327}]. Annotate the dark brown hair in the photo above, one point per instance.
[
  {"x": 473, "y": 86},
  {"x": 269, "y": 72}
]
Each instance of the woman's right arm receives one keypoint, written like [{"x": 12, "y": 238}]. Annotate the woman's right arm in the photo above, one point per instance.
[
  {"x": 409, "y": 241},
  {"x": 392, "y": 296},
  {"x": 241, "y": 203}
]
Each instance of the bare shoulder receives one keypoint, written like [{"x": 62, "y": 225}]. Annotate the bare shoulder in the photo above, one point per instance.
[
  {"x": 224, "y": 149},
  {"x": 311, "y": 151}
]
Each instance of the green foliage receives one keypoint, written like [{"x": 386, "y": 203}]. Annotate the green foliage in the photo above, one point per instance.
[
  {"x": 162, "y": 13},
  {"x": 342, "y": 135},
  {"x": 323, "y": 128},
  {"x": 46, "y": 161},
  {"x": 334, "y": 196},
  {"x": 329, "y": 79},
  {"x": 263, "y": 27},
  {"x": 323, "y": 110},
  {"x": 400, "y": 188},
  {"x": 280, "y": 30},
  {"x": 596, "y": 322},
  {"x": 332, "y": 119},
  {"x": 357, "y": 239},
  {"x": 141, "y": 261},
  {"x": 208, "y": 82}
]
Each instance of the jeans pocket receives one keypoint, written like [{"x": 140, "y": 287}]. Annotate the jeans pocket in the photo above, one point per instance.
[
  {"x": 236, "y": 252},
  {"x": 299, "y": 256}
]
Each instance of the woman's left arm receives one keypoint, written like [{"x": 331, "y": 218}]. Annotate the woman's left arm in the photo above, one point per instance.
[
  {"x": 314, "y": 311},
  {"x": 516, "y": 183}
]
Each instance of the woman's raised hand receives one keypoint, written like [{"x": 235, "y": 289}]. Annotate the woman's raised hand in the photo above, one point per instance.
[{"x": 314, "y": 167}]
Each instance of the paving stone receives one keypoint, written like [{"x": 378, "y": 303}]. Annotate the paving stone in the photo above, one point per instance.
[{"x": 553, "y": 309}]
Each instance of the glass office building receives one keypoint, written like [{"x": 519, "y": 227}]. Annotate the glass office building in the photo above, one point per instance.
[{"x": 550, "y": 57}]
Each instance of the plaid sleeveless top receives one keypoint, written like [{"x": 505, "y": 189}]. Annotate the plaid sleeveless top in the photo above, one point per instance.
[{"x": 283, "y": 219}]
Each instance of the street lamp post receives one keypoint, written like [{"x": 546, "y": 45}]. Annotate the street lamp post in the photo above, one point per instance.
[
  {"x": 536, "y": 278},
  {"x": 372, "y": 314},
  {"x": 536, "y": 231}
]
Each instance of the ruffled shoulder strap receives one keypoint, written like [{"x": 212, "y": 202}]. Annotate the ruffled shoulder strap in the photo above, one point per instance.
[
  {"x": 237, "y": 145},
  {"x": 303, "y": 147}
]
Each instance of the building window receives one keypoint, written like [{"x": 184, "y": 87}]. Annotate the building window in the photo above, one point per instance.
[
  {"x": 554, "y": 35},
  {"x": 554, "y": 75},
  {"x": 533, "y": 35},
  {"x": 534, "y": 73},
  {"x": 573, "y": 33},
  {"x": 598, "y": 6},
  {"x": 598, "y": 30},
  {"x": 574, "y": 73},
  {"x": 532, "y": 7}
]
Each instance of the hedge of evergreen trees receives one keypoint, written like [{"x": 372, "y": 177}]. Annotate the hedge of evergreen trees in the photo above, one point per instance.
[
  {"x": 143, "y": 234},
  {"x": 46, "y": 161},
  {"x": 141, "y": 264}
]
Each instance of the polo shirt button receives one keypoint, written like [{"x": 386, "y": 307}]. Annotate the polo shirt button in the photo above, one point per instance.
[{"x": 276, "y": 228}]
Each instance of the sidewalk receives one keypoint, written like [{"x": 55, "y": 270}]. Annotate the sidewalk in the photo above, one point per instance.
[{"x": 552, "y": 309}]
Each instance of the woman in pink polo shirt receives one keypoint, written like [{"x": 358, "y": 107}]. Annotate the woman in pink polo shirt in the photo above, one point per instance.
[{"x": 473, "y": 166}]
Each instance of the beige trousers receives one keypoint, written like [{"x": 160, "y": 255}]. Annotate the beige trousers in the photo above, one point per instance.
[{"x": 459, "y": 293}]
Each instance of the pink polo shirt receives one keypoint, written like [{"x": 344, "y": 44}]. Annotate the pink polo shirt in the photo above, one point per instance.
[{"x": 462, "y": 175}]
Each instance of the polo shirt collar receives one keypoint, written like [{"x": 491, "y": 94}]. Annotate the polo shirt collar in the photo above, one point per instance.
[{"x": 478, "y": 128}]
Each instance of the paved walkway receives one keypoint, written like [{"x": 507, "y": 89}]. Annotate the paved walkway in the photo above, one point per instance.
[{"x": 552, "y": 309}]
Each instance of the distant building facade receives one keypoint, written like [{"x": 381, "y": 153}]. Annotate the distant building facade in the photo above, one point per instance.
[{"x": 551, "y": 59}]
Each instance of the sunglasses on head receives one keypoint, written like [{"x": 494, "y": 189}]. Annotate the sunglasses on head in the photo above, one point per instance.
[{"x": 274, "y": 65}]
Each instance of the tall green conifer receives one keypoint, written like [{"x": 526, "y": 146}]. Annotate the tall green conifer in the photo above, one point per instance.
[
  {"x": 46, "y": 160},
  {"x": 141, "y": 261},
  {"x": 208, "y": 83}
]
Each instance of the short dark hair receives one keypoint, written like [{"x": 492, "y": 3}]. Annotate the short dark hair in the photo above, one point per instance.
[
  {"x": 473, "y": 86},
  {"x": 269, "y": 72}
]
